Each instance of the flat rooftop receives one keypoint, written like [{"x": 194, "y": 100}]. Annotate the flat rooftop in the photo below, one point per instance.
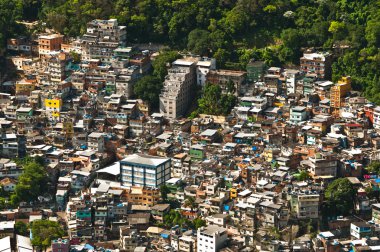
[
  {"x": 144, "y": 160},
  {"x": 212, "y": 229}
]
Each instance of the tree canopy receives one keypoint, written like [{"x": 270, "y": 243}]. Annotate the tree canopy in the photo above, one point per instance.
[
  {"x": 164, "y": 190},
  {"x": 214, "y": 102},
  {"x": 148, "y": 88},
  {"x": 374, "y": 167},
  {"x": 10, "y": 12},
  {"x": 44, "y": 231},
  {"x": 21, "y": 228},
  {"x": 31, "y": 183},
  {"x": 339, "y": 197},
  {"x": 303, "y": 175},
  {"x": 160, "y": 63},
  {"x": 198, "y": 42}
]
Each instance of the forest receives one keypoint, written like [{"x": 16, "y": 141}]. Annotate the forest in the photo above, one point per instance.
[{"x": 232, "y": 31}]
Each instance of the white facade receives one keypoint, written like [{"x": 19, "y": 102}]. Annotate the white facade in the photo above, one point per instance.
[
  {"x": 178, "y": 89},
  {"x": 21, "y": 62},
  {"x": 203, "y": 67},
  {"x": 291, "y": 77},
  {"x": 307, "y": 205},
  {"x": 211, "y": 238},
  {"x": 96, "y": 141},
  {"x": 376, "y": 118},
  {"x": 144, "y": 170}
]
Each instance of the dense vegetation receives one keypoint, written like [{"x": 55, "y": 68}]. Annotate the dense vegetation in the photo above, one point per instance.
[
  {"x": 339, "y": 197},
  {"x": 44, "y": 231},
  {"x": 214, "y": 102},
  {"x": 21, "y": 228},
  {"x": 30, "y": 184},
  {"x": 33, "y": 182},
  {"x": 149, "y": 87},
  {"x": 373, "y": 168},
  {"x": 10, "y": 12},
  {"x": 233, "y": 31},
  {"x": 174, "y": 218}
]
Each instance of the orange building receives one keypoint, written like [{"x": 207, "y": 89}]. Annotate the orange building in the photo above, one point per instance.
[
  {"x": 142, "y": 195},
  {"x": 317, "y": 63},
  {"x": 339, "y": 91},
  {"x": 369, "y": 111},
  {"x": 49, "y": 43}
]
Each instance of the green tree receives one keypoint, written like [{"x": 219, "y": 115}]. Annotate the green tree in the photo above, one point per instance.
[
  {"x": 21, "y": 228},
  {"x": 57, "y": 21},
  {"x": 372, "y": 33},
  {"x": 339, "y": 197},
  {"x": 209, "y": 103},
  {"x": 44, "y": 231},
  {"x": 198, "y": 223},
  {"x": 198, "y": 42},
  {"x": 75, "y": 56},
  {"x": 164, "y": 189},
  {"x": 304, "y": 175},
  {"x": 231, "y": 87},
  {"x": 221, "y": 55},
  {"x": 190, "y": 202},
  {"x": 3, "y": 203},
  {"x": 175, "y": 218},
  {"x": 227, "y": 102},
  {"x": 213, "y": 102},
  {"x": 371, "y": 193},
  {"x": 10, "y": 12},
  {"x": 31, "y": 183},
  {"x": 338, "y": 29},
  {"x": 292, "y": 41},
  {"x": 373, "y": 167},
  {"x": 336, "y": 26},
  {"x": 160, "y": 63},
  {"x": 148, "y": 88}
]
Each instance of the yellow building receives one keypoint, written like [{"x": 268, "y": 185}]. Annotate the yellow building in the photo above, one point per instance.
[
  {"x": 25, "y": 87},
  {"x": 339, "y": 91},
  {"x": 278, "y": 104},
  {"x": 143, "y": 107},
  {"x": 233, "y": 193},
  {"x": 53, "y": 108},
  {"x": 68, "y": 128},
  {"x": 142, "y": 195},
  {"x": 269, "y": 154}
]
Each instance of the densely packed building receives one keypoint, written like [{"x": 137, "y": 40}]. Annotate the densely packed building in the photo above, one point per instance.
[{"x": 130, "y": 177}]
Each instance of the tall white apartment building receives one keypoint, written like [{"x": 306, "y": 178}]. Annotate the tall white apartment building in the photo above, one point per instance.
[
  {"x": 211, "y": 238},
  {"x": 291, "y": 77},
  {"x": 178, "y": 90},
  {"x": 57, "y": 67}
]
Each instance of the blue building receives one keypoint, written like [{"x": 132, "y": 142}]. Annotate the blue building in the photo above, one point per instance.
[
  {"x": 360, "y": 230},
  {"x": 144, "y": 170},
  {"x": 298, "y": 114}
]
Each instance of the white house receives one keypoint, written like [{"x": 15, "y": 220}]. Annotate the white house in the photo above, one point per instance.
[{"x": 211, "y": 238}]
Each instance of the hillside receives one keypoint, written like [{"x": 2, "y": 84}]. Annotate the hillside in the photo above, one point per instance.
[{"x": 232, "y": 31}]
